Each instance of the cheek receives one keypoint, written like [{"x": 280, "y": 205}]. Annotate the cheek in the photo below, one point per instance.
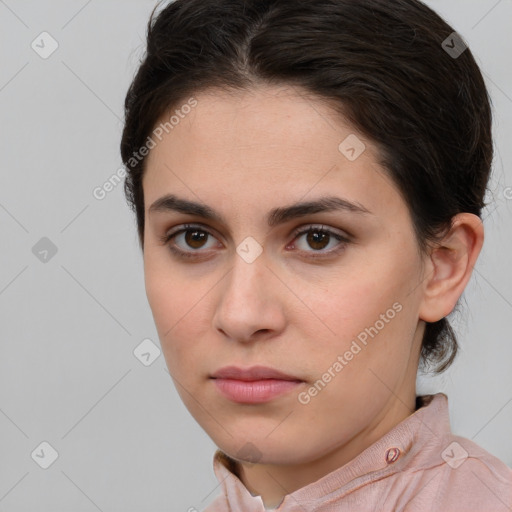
[
  {"x": 366, "y": 362},
  {"x": 371, "y": 312},
  {"x": 178, "y": 304},
  {"x": 167, "y": 296},
  {"x": 167, "y": 289},
  {"x": 160, "y": 294}
]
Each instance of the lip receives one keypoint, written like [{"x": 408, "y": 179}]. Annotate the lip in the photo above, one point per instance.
[
  {"x": 252, "y": 374},
  {"x": 254, "y": 385}
]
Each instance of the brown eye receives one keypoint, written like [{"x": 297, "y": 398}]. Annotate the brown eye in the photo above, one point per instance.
[
  {"x": 189, "y": 241},
  {"x": 195, "y": 238},
  {"x": 318, "y": 240}
]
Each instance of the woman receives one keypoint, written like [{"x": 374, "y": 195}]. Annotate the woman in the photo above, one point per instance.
[{"x": 308, "y": 179}]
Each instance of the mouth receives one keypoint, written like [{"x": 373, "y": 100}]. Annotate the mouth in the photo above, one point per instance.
[{"x": 257, "y": 384}]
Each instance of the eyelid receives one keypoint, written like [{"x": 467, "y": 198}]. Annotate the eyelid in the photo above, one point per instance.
[
  {"x": 297, "y": 231},
  {"x": 343, "y": 239},
  {"x": 320, "y": 227},
  {"x": 183, "y": 228},
  {"x": 186, "y": 227}
]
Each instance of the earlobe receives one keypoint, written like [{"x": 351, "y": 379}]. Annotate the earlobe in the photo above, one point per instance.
[{"x": 450, "y": 267}]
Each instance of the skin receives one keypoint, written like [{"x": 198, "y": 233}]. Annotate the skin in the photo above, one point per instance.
[{"x": 244, "y": 154}]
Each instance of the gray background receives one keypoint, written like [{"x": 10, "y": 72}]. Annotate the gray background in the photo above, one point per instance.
[{"x": 69, "y": 326}]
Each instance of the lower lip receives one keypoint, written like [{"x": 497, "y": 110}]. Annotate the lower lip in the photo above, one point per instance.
[{"x": 255, "y": 391}]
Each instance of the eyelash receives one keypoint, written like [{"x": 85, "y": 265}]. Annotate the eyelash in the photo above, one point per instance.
[{"x": 165, "y": 239}]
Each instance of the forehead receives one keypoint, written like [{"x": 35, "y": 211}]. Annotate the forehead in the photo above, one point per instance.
[{"x": 262, "y": 146}]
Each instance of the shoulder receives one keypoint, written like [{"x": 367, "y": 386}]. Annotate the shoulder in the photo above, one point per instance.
[
  {"x": 464, "y": 477},
  {"x": 446, "y": 471}
]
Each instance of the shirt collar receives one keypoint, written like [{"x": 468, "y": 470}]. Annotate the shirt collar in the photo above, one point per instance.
[{"x": 410, "y": 442}]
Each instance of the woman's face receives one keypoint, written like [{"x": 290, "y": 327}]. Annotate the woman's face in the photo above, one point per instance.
[{"x": 249, "y": 286}]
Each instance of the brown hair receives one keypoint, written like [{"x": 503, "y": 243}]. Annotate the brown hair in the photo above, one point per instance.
[{"x": 385, "y": 65}]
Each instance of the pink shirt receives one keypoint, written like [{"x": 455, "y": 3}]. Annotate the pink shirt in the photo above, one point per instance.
[{"x": 418, "y": 466}]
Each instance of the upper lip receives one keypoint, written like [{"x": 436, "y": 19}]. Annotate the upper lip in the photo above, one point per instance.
[{"x": 252, "y": 373}]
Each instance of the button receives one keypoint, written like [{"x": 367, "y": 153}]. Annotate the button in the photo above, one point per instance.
[{"x": 392, "y": 455}]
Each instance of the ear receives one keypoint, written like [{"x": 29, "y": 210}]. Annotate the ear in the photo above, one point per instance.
[{"x": 449, "y": 267}]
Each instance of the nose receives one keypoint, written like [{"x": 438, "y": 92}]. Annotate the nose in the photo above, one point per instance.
[{"x": 250, "y": 303}]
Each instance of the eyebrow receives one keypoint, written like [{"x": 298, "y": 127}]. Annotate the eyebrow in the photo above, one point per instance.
[{"x": 276, "y": 216}]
